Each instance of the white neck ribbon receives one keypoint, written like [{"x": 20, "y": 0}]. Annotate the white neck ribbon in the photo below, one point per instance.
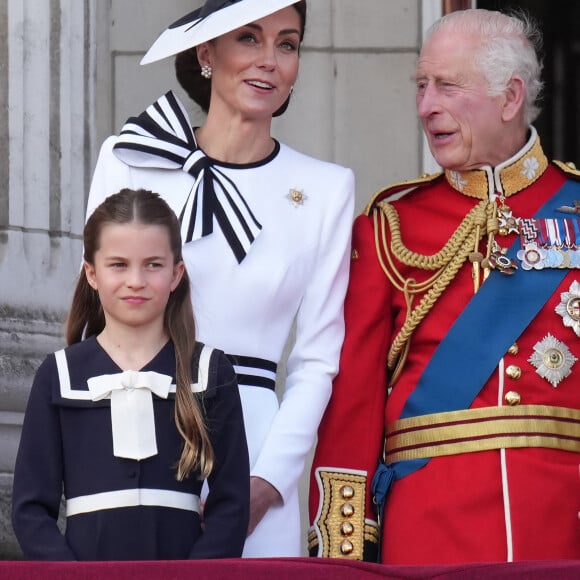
[{"x": 132, "y": 418}]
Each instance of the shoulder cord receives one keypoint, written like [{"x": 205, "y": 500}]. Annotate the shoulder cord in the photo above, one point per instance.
[{"x": 446, "y": 263}]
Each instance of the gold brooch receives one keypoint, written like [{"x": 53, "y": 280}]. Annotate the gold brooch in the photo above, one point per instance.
[{"x": 297, "y": 196}]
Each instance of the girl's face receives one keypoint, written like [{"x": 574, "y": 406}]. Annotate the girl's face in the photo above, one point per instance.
[
  {"x": 255, "y": 66},
  {"x": 134, "y": 274}
]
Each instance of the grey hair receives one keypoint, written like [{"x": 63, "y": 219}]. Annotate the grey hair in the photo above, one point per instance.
[{"x": 510, "y": 46}]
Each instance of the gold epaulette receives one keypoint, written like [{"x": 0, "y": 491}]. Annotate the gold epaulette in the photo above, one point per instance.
[
  {"x": 399, "y": 189},
  {"x": 569, "y": 168}
]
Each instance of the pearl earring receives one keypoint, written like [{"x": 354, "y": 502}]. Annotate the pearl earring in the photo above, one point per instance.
[{"x": 206, "y": 71}]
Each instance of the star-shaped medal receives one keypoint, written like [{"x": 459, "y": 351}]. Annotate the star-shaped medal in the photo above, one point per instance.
[
  {"x": 508, "y": 224},
  {"x": 552, "y": 359},
  {"x": 569, "y": 307}
]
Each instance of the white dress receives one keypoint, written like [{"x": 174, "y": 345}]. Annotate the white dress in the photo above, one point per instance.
[{"x": 295, "y": 271}]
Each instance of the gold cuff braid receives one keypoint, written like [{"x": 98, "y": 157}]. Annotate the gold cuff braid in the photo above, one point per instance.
[
  {"x": 370, "y": 536},
  {"x": 341, "y": 521}
]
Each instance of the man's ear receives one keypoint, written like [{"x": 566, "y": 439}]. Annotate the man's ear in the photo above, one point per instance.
[{"x": 514, "y": 98}]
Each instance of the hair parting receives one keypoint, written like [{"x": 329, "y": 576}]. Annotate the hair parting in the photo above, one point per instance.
[{"x": 86, "y": 317}]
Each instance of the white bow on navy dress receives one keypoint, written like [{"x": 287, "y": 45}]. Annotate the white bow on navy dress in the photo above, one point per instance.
[
  {"x": 162, "y": 137},
  {"x": 132, "y": 415}
]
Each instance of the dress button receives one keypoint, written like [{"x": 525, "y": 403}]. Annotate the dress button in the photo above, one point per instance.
[
  {"x": 346, "y": 529},
  {"x": 514, "y": 349},
  {"x": 512, "y": 398},
  {"x": 513, "y": 372}
]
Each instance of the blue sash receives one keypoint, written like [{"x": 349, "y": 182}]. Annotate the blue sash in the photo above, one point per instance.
[{"x": 499, "y": 312}]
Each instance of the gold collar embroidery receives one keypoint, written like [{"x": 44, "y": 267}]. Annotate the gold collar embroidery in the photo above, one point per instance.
[{"x": 508, "y": 178}]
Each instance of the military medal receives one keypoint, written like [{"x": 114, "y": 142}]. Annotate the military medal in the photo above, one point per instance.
[
  {"x": 549, "y": 243},
  {"x": 508, "y": 224},
  {"x": 569, "y": 307},
  {"x": 500, "y": 262},
  {"x": 552, "y": 359},
  {"x": 532, "y": 256},
  {"x": 297, "y": 196}
]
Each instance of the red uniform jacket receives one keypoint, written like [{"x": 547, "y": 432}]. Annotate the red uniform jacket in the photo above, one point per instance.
[{"x": 512, "y": 503}]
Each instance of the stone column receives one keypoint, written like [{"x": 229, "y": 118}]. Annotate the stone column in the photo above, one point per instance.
[{"x": 45, "y": 160}]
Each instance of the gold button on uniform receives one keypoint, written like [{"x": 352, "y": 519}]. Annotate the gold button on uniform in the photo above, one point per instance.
[
  {"x": 513, "y": 372},
  {"x": 346, "y": 548},
  {"x": 346, "y": 492},
  {"x": 514, "y": 349},
  {"x": 512, "y": 398},
  {"x": 347, "y": 510},
  {"x": 346, "y": 529}
]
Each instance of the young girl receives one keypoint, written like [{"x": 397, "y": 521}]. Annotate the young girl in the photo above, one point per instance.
[{"x": 112, "y": 420}]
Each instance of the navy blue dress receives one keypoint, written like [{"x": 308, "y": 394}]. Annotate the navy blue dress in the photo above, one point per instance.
[{"x": 67, "y": 448}]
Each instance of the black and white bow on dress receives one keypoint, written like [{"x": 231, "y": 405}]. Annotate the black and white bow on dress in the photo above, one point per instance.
[{"x": 162, "y": 137}]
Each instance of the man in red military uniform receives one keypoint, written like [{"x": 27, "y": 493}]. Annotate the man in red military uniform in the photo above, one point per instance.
[{"x": 460, "y": 366}]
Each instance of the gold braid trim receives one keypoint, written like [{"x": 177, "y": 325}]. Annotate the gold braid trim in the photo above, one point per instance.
[
  {"x": 477, "y": 215},
  {"x": 341, "y": 519},
  {"x": 446, "y": 263}
]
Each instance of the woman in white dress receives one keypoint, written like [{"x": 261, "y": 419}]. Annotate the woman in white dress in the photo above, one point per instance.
[{"x": 266, "y": 233}]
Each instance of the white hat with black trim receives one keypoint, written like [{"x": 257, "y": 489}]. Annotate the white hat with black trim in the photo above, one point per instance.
[{"x": 214, "y": 18}]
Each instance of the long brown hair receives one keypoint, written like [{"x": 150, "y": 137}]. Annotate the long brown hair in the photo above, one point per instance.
[{"x": 86, "y": 316}]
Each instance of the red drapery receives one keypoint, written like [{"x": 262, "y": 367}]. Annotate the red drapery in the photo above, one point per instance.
[{"x": 283, "y": 569}]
